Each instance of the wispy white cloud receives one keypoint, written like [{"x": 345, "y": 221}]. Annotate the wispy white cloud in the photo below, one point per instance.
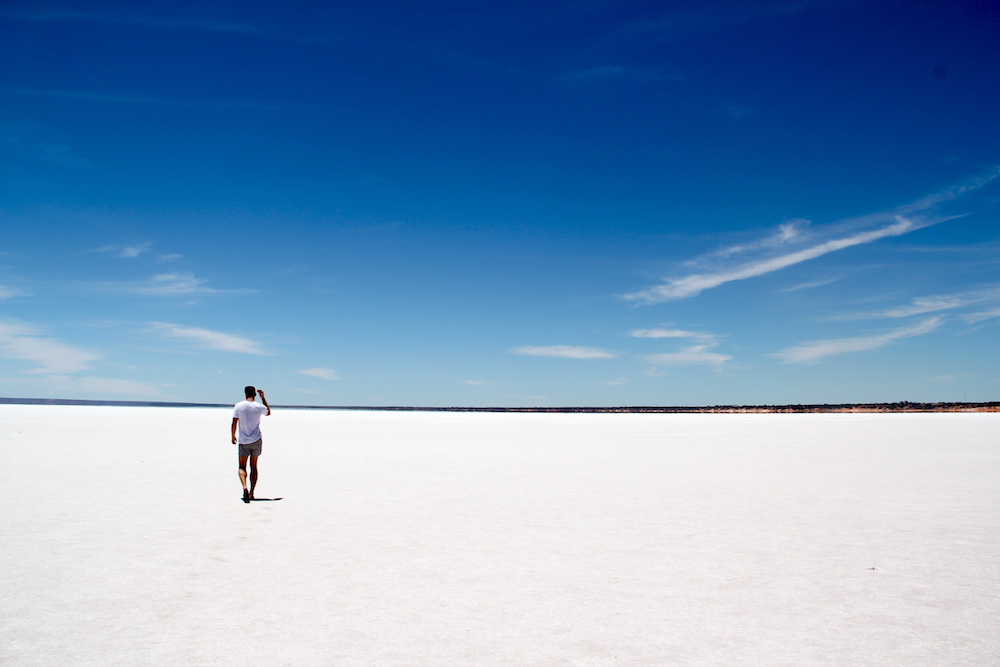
[
  {"x": 563, "y": 351},
  {"x": 124, "y": 251},
  {"x": 982, "y": 316},
  {"x": 821, "y": 349},
  {"x": 159, "y": 285},
  {"x": 933, "y": 304},
  {"x": 809, "y": 285},
  {"x": 26, "y": 342},
  {"x": 616, "y": 382},
  {"x": 950, "y": 194},
  {"x": 130, "y": 252},
  {"x": 206, "y": 339},
  {"x": 695, "y": 284},
  {"x": 172, "y": 284},
  {"x": 793, "y": 246},
  {"x": 477, "y": 383},
  {"x": 668, "y": 333},
  {"x": 937, "y": 303},
  {"x": 321, "y": 373},
  {"x": 698, "y": 354},
  {"x": 693, "y": 355},
  {"x": 785, "y": 233},
  {"x": 9, "y": 292}
]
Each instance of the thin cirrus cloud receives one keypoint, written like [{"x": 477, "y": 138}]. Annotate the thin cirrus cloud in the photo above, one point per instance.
[
  {"x": 26, "y": 342},
  {"x": 785, "y": 234},
  {"x": 131, "y": 252},
  {"x": 124, "y": 251},
  {"x": 808, "y": 285},
  {"x": 936, "y": 303},
  {"x": 821, "y": 349},
  {"x": 563, "y": 352},
  {"x": 668, "y": 333},
  {"x": 982, "y": 316},
  {"x": 206, "y": 339},
  {"x": 905, "y": 219},
  {"x": 321, "y": 373},
  {"x": 698, "y": 354},
  {"x": 693, "y": 355},
  {"x": 693, "y": 285},
  {"x": 985, "y": 296},
  {"x": 162, "y": 284},
  {"x": 172, "y": 284},
  {"x": 9, "y": 292}
]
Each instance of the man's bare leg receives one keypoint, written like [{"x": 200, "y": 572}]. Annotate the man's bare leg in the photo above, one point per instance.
[
  {"x": 243, "y": 477},
  {"x": 253, "y": 475}
]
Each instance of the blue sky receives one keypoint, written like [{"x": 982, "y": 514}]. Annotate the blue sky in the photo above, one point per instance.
[{"x": 500, "y": 204}]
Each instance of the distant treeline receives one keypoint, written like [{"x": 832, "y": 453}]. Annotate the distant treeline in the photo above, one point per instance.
[{"x": 902, "y": 406}]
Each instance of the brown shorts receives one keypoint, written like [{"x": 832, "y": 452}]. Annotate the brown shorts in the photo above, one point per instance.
[{"x": 252, "y": 449}]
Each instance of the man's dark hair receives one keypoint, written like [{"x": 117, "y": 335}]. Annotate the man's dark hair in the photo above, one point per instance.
[{"x": 249, "y": 391}]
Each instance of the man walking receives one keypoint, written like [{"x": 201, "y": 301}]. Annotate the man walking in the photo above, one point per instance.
[{"x": 246, "y": 419}]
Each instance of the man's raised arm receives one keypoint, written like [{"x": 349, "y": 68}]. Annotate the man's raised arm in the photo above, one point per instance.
[{"x": 264, "y": 401}]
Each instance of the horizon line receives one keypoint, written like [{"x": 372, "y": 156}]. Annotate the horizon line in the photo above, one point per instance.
[{"x": 898, "y": 406}]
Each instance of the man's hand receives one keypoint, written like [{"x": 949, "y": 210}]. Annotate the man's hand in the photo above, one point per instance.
[{"x": 234, "y": 439}]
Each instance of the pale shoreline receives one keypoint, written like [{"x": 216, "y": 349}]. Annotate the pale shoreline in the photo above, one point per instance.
[
  {"x": 829, "y": 408},
  {"x": 408, "y": 538}
]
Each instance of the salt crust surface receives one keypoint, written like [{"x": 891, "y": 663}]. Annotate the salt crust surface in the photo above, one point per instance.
[{"x": 499, "y": 539}]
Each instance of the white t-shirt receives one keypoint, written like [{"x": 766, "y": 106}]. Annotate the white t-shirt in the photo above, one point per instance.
[{"x": 249, "y": 414}]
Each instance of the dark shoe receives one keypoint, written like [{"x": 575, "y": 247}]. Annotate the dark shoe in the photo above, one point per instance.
[{"x": 246, "y": 496}]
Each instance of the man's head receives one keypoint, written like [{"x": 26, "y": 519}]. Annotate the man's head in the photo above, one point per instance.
[{"x": 249, "y": 391}]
